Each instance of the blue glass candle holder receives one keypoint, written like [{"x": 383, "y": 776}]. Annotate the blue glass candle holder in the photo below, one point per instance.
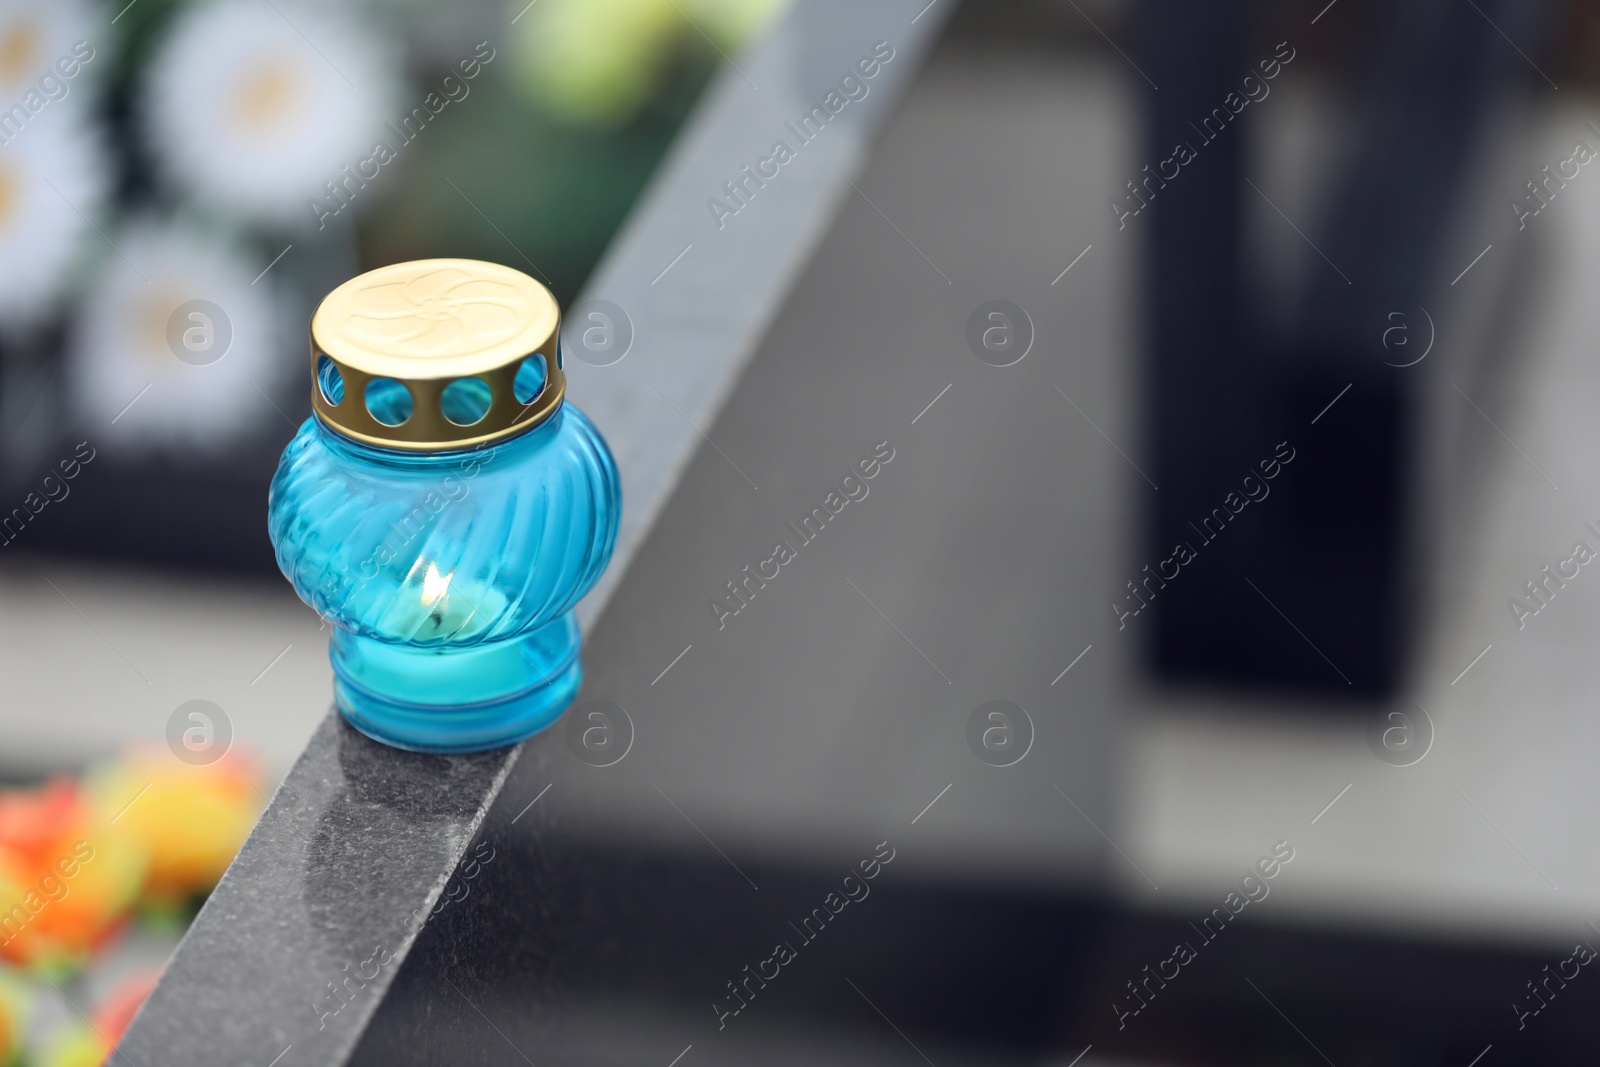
[{"x": 444, "y": 508}]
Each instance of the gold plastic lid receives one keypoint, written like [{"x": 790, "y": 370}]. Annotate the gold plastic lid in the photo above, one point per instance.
[{"x": 424, "y": 355}]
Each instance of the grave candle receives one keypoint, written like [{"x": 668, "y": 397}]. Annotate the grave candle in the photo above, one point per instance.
[{"x": 444, "y": 507}]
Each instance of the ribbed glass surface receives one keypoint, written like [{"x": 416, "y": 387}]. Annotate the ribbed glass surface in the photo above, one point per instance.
[{"x": 444, "y": 572}]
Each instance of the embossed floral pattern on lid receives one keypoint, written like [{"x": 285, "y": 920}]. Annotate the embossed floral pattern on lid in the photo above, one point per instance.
[{"x": 399, "y": 352}]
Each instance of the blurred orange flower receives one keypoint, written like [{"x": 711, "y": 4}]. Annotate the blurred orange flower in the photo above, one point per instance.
[
  {"x": 66, "y": 877},
  {"x": 188, "y": 820}
]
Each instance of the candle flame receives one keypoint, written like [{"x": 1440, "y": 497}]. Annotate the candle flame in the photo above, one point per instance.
[{"x": 435, "y": 585}]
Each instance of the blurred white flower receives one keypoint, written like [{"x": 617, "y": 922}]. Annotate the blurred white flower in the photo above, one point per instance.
[
  {"x": 36, "y": 34},
  {"x": 252, "y": 105},
  {"x": 175, "y": 347},
  {"x": 52, "y": 182}
]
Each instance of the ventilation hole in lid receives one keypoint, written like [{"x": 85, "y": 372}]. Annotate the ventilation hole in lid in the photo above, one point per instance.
[
  {"x": 388, "y": 401},
  {"x": 466, "y": 401},
  {"x": 530, "y": 380},
  {"x": 329, "y": 381}
]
